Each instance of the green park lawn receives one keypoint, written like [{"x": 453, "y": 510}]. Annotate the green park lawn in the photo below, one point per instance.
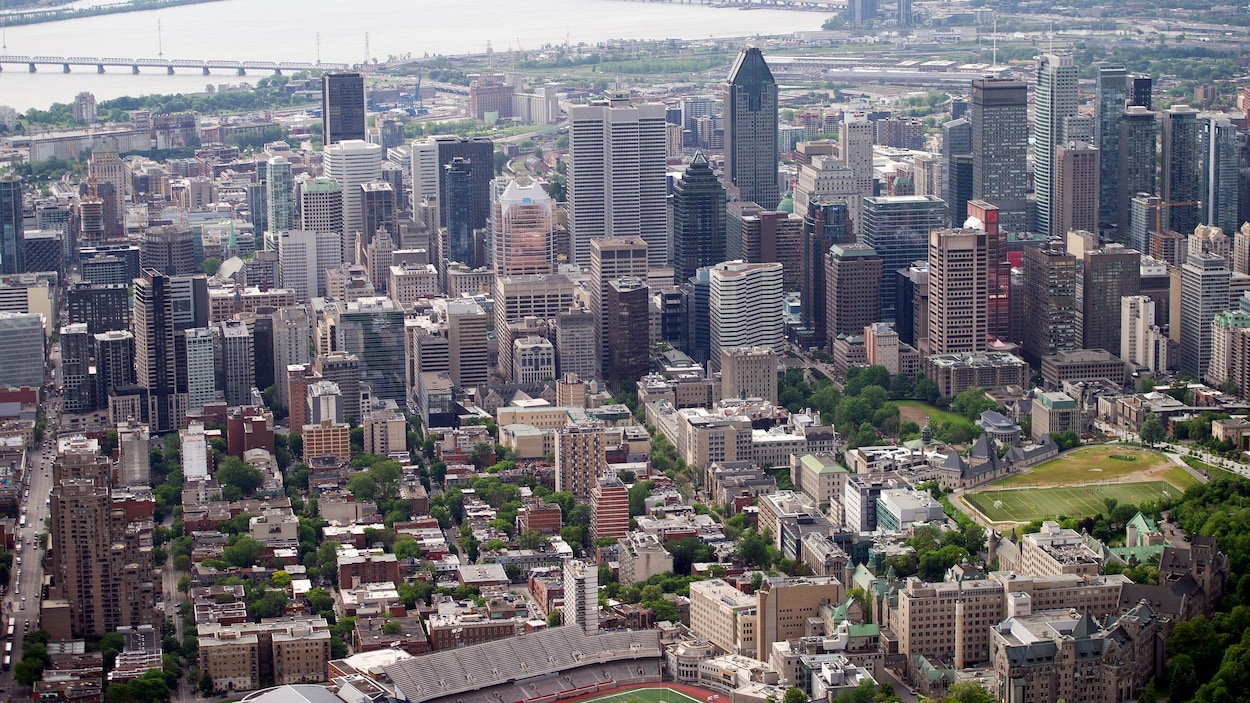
[
  {"x": 1075, "y": 502},
  {"x": 1086, "y": 464},
  {"x": 918, "y": 408}
]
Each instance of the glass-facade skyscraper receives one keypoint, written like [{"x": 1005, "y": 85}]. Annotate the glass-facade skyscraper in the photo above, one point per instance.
[
  {"x": 1055, "y": 100},
  {"x": 1000, "y": 143},
  {"x": 897, "y": 227},
  {"x": 1111, "y": 93},
  {"x": 751, "y": 130},
  {"x": 342, "y": 107},
  {"x": 1182, "y": 169},
  {"x": 11, "y": 224},
  {"x": 697, "y": 219}
]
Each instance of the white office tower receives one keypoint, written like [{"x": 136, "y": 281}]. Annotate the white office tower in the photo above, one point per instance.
[
  {"x": 744, "y": 305},
  {"x": 424, "y": 171},
  {"x": 303, "y": 257},
  {"x": 238, "y": 368},
  {"x": 201, "y": 368},
  {"x": 522, "y": 229},
  {"x": 581, "y": 595},
  {"x": 855, "y": 146},
  {"x": 617, "y": 183},
  {"x": 280, "y": 195},
  {"x": 352, "y": 163},
  {"x": 1142, "y": 343},
  {"x": 320, "y": 206},
  {"x": 827, "y": 177},
  {"x": 1056, "y": 99}
]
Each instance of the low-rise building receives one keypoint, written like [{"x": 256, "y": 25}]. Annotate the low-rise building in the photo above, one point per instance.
[{"x": 956, "y": 373}]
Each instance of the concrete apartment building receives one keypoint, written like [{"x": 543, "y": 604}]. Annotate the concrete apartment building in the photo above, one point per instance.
[
  {"x": 953, "y": 619},
  {"x": 1058, "y": 551},
  {"x": 580, "y": 458},
  {"x": 723, "y": 615},
  {"x": 749, "y": 372},
  {"x": 641, "y": 556},
  {"x": 282, "y": 650}
]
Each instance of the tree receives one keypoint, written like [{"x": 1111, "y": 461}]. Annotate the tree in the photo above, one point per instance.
[
  {"x": 406, "y": 547},
  {"x": 362, "y": 486},
  {"x": 319, "y": 600},
  {"x": 1152, "y": 431},
  {"x": 638, "y": 494},
  {"x": 28, "y": 671},
  {"x": 390, "y": 627},
  {"x": 243, "y": 477},
  {"x": 243, "y": 552},
  {"x": 755, "y": 549},
  {"x": 968, "y": 692},
  {"x": 795, "y": 695},
  {"x": 210, "y": 265}
]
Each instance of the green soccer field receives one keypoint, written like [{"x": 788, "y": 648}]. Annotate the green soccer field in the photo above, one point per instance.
[
  {"x": 1076, "y": 502},
  {"x": 645, "y": 695}
]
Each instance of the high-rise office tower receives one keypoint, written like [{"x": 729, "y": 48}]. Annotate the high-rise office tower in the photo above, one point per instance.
[
  {"x": 612, "y": 258},
  {"x": 616, "y": 183},
  {"x": 523, "y": 229},
  {"x": 1140, "y": 91},
  {"x": 998, "y": 305},
  {"x": 957, "y": 169},
  {"x": 1135, "y": 172},
  {"x": 852, "y": 289},
  {"x": 1181, "y": 187},
  {"x": 825, "y": 177},
  {"x": 377, "y": 210},
  {"x": 827, "y": 223},
  {"x": 352, "y": 163},
  {"x": 468, "y": 362},
  {"x": 756, "y": 235},
  {"x": 303, "y": 257},
  {"x": 280, "y": 195},
  {"x": 1109, "y": 101},
  {"x": 958, "y": 290},
  {"x": 258, "y": 205},
  {"x": 75, "y": 368},
  {"x": 1108, "y": 274},
  {"x": 372, "y": 329},
  {"x": 749, "y": 372},
  {"x": 201, "y": 367},
  {"x": 1000, "y": 142},
  {"x": 695, "y": 292},
  {"x": 855, "y": 140},
  {"x": 1075, "y": 191},
  {"x": 744, "y": 306},
  {"x": 115, "y": 362},
  {"x": 1220, "y": 173},
  {"x": 1055, "y": 100},
  {"x": 697, "y": 219},
  {"x": 456, "y": 240},
  {"x": 479, "y": 152},
  {"x": 1204, "y": 292},
  {"x": 904, "y": 13},
  {"x": 343, "y": 369},
  {"x": 897, "y": 227},
  {"x": 11, "y": 224},
  {"x": 424, "y": 168},
  {"x": 343, "y": 112},
  {"x": 751, "y": 130},
  {"x": 1049, "y": 303},
  {"x": 1142, "y": 343},
  {"x": 156, "y": 358},
  {"x": 292, "y": 342},
  {"x": 169, "y": 249},
  {"x": 321, "y": 205},
  {"x": 109, "y": 174},
  {"x": 238, "y": 369},
  {"x": 626, "y": 328}
]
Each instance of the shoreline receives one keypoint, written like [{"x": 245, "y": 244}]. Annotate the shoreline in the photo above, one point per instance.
[{"x": 21, "y": 19}]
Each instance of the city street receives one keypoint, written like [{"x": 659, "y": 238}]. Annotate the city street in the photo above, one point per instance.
[{"x": 22, "y": 600}]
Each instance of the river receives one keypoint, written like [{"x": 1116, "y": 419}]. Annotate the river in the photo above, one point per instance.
[{"x": 288, "y": 30}]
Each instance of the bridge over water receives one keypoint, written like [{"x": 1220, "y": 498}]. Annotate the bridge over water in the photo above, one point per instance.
[{"x": 68, "y": 63}]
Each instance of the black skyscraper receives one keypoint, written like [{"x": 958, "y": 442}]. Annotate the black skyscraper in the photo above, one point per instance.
[
  {"x": 751, "y": 130},
  {"x": 697, "y": 219},
  {"x": 342, "y": 107},
  {"x": 11, "y": 253},
  {"x": 480, "y": 153}
]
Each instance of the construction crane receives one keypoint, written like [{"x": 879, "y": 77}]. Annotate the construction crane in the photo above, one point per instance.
[{"x": 421, "y": 109}]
